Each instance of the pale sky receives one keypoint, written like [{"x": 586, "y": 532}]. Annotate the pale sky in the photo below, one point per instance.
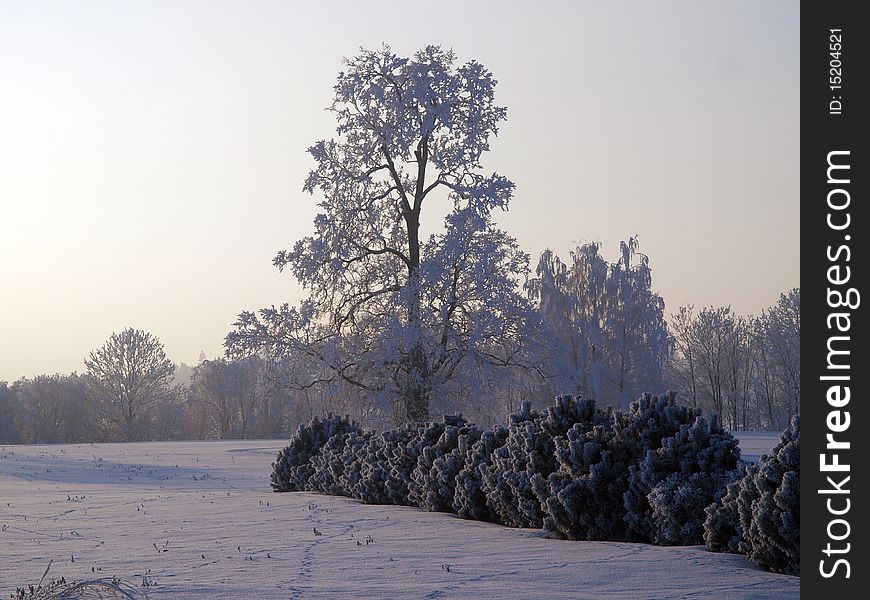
[{"x": 152, "y": 154}]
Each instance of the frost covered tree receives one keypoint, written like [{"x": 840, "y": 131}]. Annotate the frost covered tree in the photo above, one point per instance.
[
  {"x": 711, "y": 342},
  {"x": 746, "y": 369},
  {"x": 778, "y": 340},
  {"x": 9, "y": 433},
  {"x": 230, "y": 391},
  {"x": 127, "y": 374},
  {"x": 683, "y": 370},
  {"x": 606, "y": 337},
  {"x": 391, "y": 310}
]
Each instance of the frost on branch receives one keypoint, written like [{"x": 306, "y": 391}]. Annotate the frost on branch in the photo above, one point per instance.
[
  {"x": 760, "y": 514},
  {"x": 292, "y": 467}
]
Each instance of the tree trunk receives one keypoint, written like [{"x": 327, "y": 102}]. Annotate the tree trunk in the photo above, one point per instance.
[
  {"x": 417, "y": 371},
  {"x": 416, "y": 366}
]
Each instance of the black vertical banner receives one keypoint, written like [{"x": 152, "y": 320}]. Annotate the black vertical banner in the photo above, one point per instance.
[{"x": 835, "y": 420}]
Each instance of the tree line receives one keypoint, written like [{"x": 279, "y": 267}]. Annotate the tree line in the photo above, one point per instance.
[
  {"x": 131, "y": 391},
  {"x": 744, "y": 368}
]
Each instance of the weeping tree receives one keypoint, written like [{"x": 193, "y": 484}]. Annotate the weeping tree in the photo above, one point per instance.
[
  {"x": 396, "y": 314},
  {"x": 605, "y": 335}
]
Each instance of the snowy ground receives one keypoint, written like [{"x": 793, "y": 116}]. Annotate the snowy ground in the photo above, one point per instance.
[
  {"x": 198, "y": 520},
  {"x": 755, "y": 443}
]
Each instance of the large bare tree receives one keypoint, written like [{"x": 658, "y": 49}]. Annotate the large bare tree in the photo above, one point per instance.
[{"x": 127, "y": 374}]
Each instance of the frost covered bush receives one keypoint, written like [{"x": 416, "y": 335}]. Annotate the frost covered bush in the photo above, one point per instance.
[
  {"x": 469, "y": 498},
  {"x": 388, "y": 461},
  {"x": 759, "y": 516},
  {"x": 292, "y": 467},
  {"x": 578, "y": 471},
  {"x": 433, "y": 481},
  {"x": 529, "y": 452},
  {"x": 336, "y": 465},
  {"x": 506, "y": 480},
  {"x": 375, "y": 469},
  {"x": 418, "y": 453},
  {"x": 580, "y": 498},
  {"x": 346, "y": 469},
  {"x": 585, "y": 497},
  {"x": 670, "y": 488},
  {"x": 722, "y": 526}
]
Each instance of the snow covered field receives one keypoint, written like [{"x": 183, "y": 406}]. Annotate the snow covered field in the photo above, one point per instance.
[
  {"x": 198, "y": 520},
  {"x": 755, "y": 443}
]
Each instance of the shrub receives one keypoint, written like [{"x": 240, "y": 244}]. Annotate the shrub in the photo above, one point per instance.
[
  {"x": 334, "y": 464},
  {"x": 433, "y": 481},
  {"x": 722, "y": 531},
  {"x": 387, "y": 461},
  {"x": 579, "y": 498},
  {"x": 375, "y": 469},
  {"x": 759, "y": 516},
  {"x": 528, "y": 453},
  {"x": 469, "y": 498},
  {"x": 585, "y": 497},
  {"x": 670, "y": 488},
  {"x": 649, "y": 474},
  {"x": 292, "y": 467}
]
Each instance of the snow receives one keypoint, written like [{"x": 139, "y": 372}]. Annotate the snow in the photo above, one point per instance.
[
  {"x": 755, "y": 443},
  {"x": 156, "y": 509}
]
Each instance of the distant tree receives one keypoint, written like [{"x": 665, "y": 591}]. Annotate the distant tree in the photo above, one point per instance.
[
  {"x": 169, "y": 418},
  {"x": 183, "y": 374},
  {"x": 54, "y": 409},
  {"x": 9, "y": 433},
  {"x": 129, "y": 373},
  {"x": 229, "y": 390},
  {"x": 397, "y": 315},
  {"x": 683, "y": 371},
  {"x": 605, "y": 334},
  {"x": 779, "y": 350},
  {"x": 641, "y": 345},
  {"x": 571, "y": 300},
  {"x": 747, "y": 369}
]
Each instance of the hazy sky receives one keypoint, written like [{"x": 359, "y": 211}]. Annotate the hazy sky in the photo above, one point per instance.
[{"x": 152, "y": 154}]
